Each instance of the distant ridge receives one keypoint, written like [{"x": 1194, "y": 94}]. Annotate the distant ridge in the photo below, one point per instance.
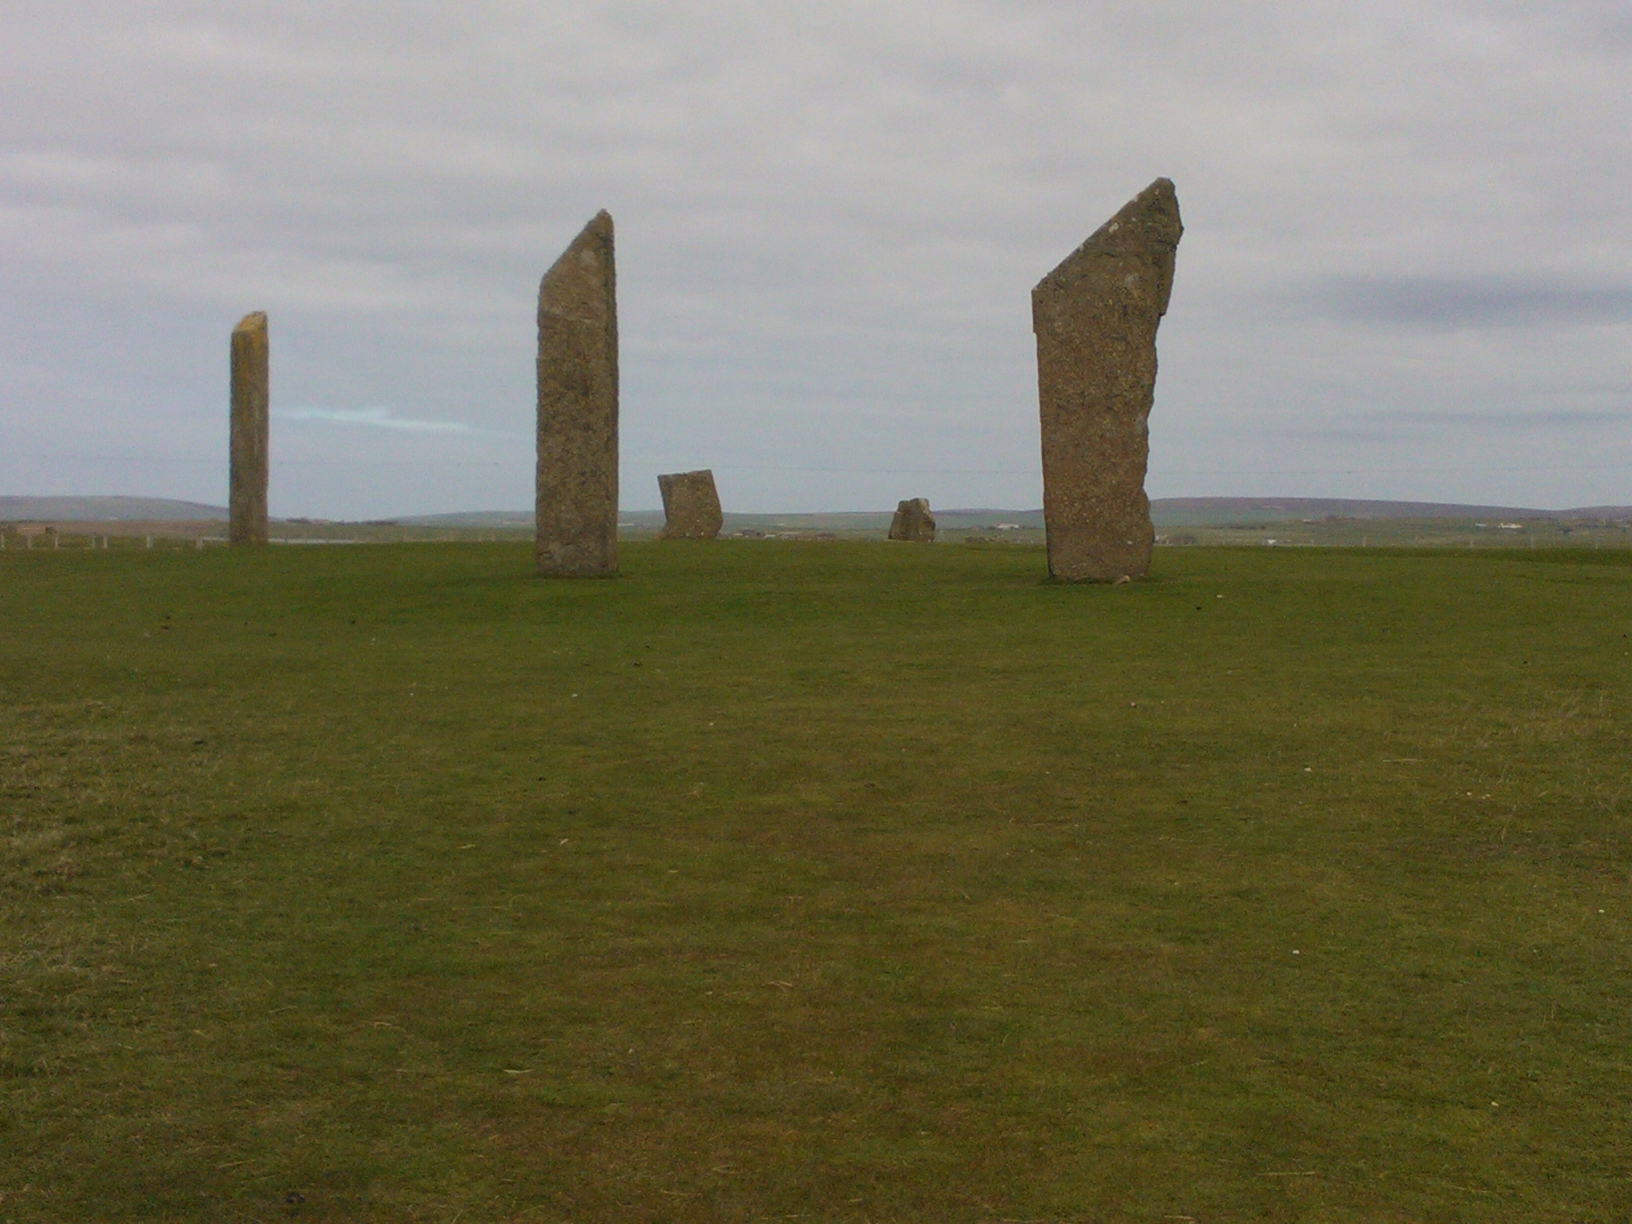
[
  {"x": 466, "y": 518},
  {"x": 1218, "y": 511},
  {"x": 1225, "y": 511},
  {"x": 1165, "y": 511},
  {"x": 104, "y": 509}
]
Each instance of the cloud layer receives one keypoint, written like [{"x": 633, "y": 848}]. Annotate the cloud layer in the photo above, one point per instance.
[{"x": 1407, "y": 269}]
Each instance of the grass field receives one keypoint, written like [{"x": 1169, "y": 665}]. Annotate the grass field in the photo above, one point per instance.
[{"x": 815, "y": 881}]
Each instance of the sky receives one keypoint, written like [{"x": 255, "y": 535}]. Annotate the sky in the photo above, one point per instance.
[{"x": 1406, "y": 270}]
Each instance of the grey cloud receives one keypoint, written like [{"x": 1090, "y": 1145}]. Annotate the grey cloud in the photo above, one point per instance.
[
  {"x": 829, "y": 219},
  {"x": 1487, "y": 301},
  {"x": 1387, "y": 427},
  {"x": 1513, "y": 418}
]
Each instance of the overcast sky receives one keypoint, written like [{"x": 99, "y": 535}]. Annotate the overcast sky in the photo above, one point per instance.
[{"x": 1406, "y": 269}]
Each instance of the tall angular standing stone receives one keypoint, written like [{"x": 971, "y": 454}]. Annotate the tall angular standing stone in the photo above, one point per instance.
[
  {"x": 577, "y": 506},
  {"x": 1096, "y": 317},
  {"x": 691, "y": 506},
  {"x": 250, "y": 432},
  {"x": 913, "y": 521}
]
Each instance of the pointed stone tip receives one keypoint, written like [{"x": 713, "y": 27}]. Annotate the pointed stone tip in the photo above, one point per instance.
[
  {"x": 596, "y": 236},
  {"x": 579, "y": 283},
  {"x": 1160, "y": 197},
  {"x": 1151, "y": 217},
  {"x": 254, "y": 321},
  {"x": 598, "y": 230}
]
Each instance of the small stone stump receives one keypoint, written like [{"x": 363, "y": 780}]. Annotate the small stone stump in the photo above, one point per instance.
[
  {"x": 1095, "y": 317},
  {"x": 691, "y": 506},
  {"x": 913, "y": 522},
  {"x": 250, "y": 431},
  {"x": 577, "y": 484}
]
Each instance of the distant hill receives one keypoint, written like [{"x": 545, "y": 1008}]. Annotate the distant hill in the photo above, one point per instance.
[
  {"x": 1619, "y": 513},
  {"x": 1221, "y": 511},
  {"x": 960, "y": 519},
  {"x": 1225, "y": 511},
  {"x": 104, "y": 509},
  {"x": 1165, "y": 511},
  {"x": 467, "y": 518}
]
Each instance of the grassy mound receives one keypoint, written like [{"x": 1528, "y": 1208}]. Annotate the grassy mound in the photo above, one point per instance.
[{"x": 834, "y": 881}]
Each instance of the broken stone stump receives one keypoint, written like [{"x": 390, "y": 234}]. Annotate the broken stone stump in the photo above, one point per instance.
[
  {"x": 577, "y": 490},
  {"x": 691, "y": 506},
  {"x": 250, "y": 432},
  {"x": 1095, "y": 317},
  {"x": 913, "y": 521}
]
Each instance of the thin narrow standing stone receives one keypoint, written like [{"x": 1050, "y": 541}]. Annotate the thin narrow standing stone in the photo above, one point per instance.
[
  {"x": 691, "y": 506},
  {"x": 251, "y": 404},
  {"x": 577, "y": 507},
  {"x": 1096, "y": 317}
]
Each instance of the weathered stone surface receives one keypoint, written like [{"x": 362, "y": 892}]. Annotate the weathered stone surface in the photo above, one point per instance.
[
  {"x": 691, "y": 506},
  {"x": 250, "y": 431},
  {"x": 913, "y": 521},
  {"x": 1096, "y": 317},
  {"x": 577, "y": 506}
]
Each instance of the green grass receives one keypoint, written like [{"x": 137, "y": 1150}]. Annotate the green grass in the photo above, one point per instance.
[{"x": 838, "y": 882}]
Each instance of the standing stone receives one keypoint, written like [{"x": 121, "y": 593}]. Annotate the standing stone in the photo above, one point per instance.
[
  {"x": 1096, "y": 317},
  {"x": 250, "y": 444},
  {"x": 691, "y": 506},
  {"x": 577, "y": 506},
  {"x": 913, "y": 521}
]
